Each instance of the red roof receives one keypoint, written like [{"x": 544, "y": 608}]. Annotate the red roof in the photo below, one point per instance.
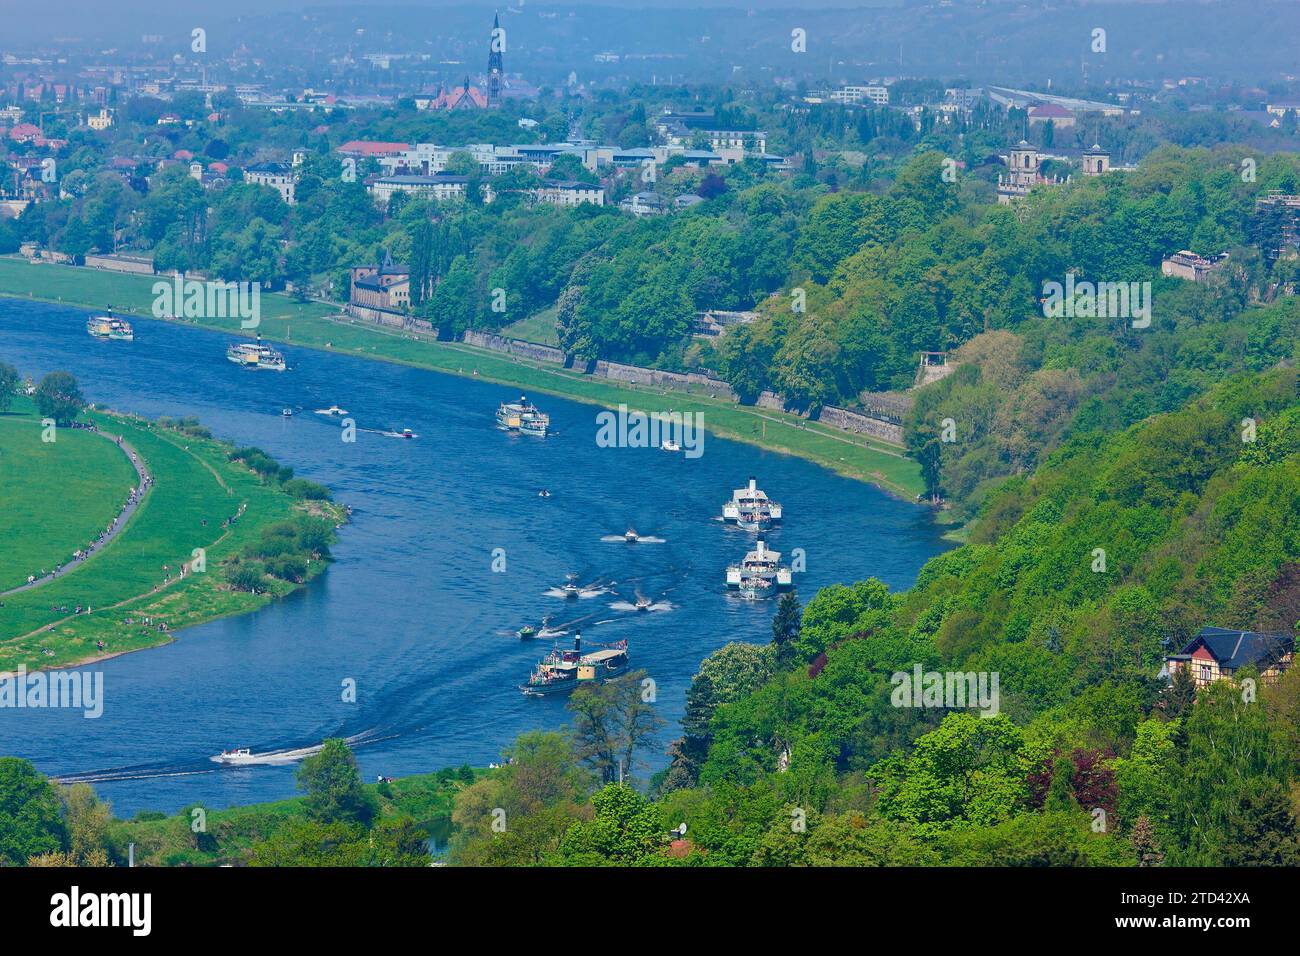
[
  {"x": 460, "y": 96},
  {"x": 25, "y": 131},
  {"x": 182, "y": 154}
]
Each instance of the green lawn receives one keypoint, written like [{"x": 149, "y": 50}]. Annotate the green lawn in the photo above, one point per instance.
[
  {"x": 195, "y": 488},
  {"x": 316, "y": 325},
  {"x": 57, "y": 495}
]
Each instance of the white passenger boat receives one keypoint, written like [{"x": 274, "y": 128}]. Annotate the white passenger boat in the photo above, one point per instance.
[
  {"x": 759, "y": 563},
  {"x": 751, "y": 508}
]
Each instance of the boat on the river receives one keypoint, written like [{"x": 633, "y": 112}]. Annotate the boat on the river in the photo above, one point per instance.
[
  {"x": 237, "y": 756},
  {"x": 110, "y": 327},
  {"x": 255, "y": 355},
  {"x": 287, "y": 413},
  {"x": 630, "y": 536},
  {"x": 562, "y": 671},
  {"x": 759, "y": 563},
  {"x": 524, "y": 417},
  {"x": 526, "y": 632},
  {"x": 332, "y": 412},
  {"x": 750, "y": 508}
]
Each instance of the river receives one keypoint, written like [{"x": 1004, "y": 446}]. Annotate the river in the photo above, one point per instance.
[{"x": 411, "y": 609}]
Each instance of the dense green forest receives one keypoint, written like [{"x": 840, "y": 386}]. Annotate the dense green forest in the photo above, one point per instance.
[{"x": 795, "y": 753}]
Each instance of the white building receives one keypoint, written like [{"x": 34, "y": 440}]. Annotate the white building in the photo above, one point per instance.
[
  {"x": 856, "y": 95},
  {"x": 279, "y": 176},
  {"x": 440, "y": 187},
  {"x": 569, "y": 192}
]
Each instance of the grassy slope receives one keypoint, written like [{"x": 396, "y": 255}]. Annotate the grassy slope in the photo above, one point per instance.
[
  {"x": 538, "y": 327},
  {"x": 426, "y": 798},
  {"x": 319, "y": 326},
  {"x": 57, "y": 495},
  {"x": 193, "y": 483}
]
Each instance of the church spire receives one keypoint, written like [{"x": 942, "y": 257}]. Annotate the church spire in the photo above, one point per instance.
[{"x": 496, "y": 61}]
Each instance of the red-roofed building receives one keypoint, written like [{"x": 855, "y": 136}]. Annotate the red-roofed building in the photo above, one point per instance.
[
  {"x": 463, "y": 97},
  {"x": 27, "y": 133},
  {"x": 371, "y": 149},
  {"x": 184, "y": 154}
]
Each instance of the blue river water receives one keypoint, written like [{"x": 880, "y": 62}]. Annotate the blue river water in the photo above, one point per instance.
[{"x": 411, "y": 609}]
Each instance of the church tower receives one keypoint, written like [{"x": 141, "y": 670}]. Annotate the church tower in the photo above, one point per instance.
[{"x": 496, "y": 63}]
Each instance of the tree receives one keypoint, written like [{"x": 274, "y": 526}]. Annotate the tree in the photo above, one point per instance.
[
  {"x": 58, "y": 397},
  {"x": 1144, "y": 843},
  {"x": 626, "y": 829},
  {"x": 1262, "y": 831},
  {"x": 611, "y": 722},
  {"x": 333, "y": 785},
  {"x": 87, "y": 819},
  {"x": 785, "y": 628},
  {"x": 1060, "y": 794},
  {"x": 8, "y": 386},
  {"x": 31, "y": 819}
]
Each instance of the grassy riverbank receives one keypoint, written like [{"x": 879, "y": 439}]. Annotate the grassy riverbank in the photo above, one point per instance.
[
  {"x": 133, "y": 585},
  {"x": 319, "y": 326}
]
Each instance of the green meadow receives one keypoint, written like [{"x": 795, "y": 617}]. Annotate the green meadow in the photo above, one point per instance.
[
  {"x": 137, "y": 574},
  {"x": 57, "y": 495},
  {"x": 319, "y": 326}
]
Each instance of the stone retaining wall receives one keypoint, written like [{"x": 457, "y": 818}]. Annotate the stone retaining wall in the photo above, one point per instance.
[
  {"x": 528, "y": 350},
  {"x": 691, "y": 382},
  {"x": 850, "y": 421}
]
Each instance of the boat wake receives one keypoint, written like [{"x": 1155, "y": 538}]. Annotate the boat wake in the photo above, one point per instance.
[
  {"x": 588, "y": 591},
  {"x": 629, "y": 606},
  {"x": 194, "y": 767}
]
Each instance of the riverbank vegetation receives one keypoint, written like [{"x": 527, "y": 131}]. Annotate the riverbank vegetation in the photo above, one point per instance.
[
  {"x": 209, "y": 537},
  {"x": 337, "y": 822}
]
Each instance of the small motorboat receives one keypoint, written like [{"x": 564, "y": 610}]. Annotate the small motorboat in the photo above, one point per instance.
[
  {"x": 543, "y": 493},
  {"x": 333, "y": 411},
  {"x": 670, "y": 445},
  {"x": 643, "y": 603},
  {"x": 526, "y": 632},
  {"x": 406, "y": 433},
  {"x": 630, "y": 536},
  {"x": 237, "y": 756},
  {"x": 287, "y": 413}
]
